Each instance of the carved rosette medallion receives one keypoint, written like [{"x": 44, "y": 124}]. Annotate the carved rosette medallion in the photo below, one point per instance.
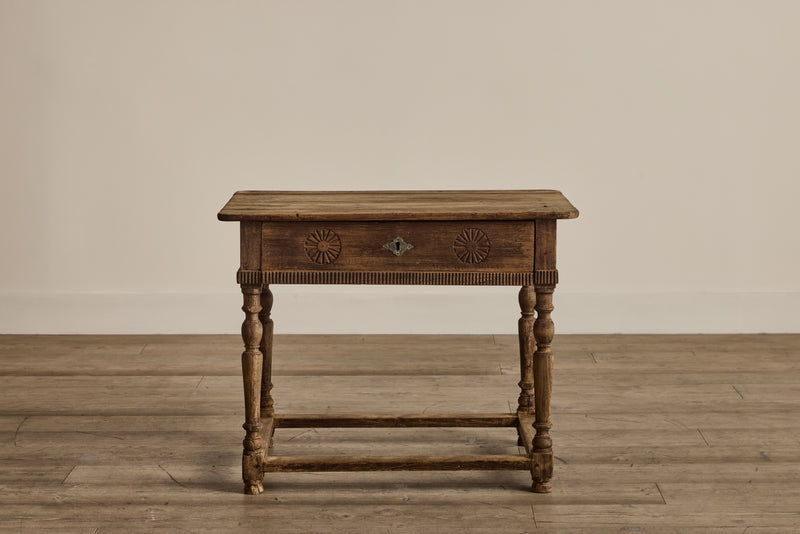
[
  {"x": 323, "y": 246},
  {"x": 471, "y": 245}
]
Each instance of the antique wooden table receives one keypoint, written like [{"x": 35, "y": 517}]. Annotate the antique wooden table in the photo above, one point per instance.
[{"x": 399, "y": 237}]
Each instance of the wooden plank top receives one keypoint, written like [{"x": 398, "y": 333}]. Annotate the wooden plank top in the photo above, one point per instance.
[{"x": 397, "y": 205}]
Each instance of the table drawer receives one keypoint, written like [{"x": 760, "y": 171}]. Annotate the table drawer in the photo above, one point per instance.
[{"x": 485, "y": 246}]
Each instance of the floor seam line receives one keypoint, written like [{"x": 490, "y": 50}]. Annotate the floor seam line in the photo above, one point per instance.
[
  {"x": 68, "y": 474},
  {"x": 661, "y": 493},
  {"x": 16, "y": 432}
]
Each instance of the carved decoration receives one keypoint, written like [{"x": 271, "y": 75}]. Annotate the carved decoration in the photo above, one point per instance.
[
  {"x": 385, "y": 277},
  {"x": 323, "y": 246},
  {"x": 471, "y": 245},
  {"x": 545, "y": 277}
]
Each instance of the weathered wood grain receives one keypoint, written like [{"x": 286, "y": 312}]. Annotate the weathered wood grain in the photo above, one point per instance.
[
  {"x": 625, "y": 434},
  {"x": 483, "y": 462},
  {"x": 655, "y": 343},
  {"x": 543, "y": 331},
  {"x": 185, "y": 486},
  {"x": 218, "y": 395},
  {"x": 250, "y": 245},
  {"x": 297, "y": 355},
  {"x": 527, "y": 346},
  {"x": 698, "y": 516},
  {"x": 267, "y": 326},
  {"x": 228, "y": 515},
  {"x": 396, "y": 205},
  {"x": 110, "y": 447},
  {"x": 697, "y": 360},
  {"x": 526, "y": 432},
  {"x": 252, "y": 362},
  {"x": 362, "y": 248},
  {"x": 388, "y": 421}
]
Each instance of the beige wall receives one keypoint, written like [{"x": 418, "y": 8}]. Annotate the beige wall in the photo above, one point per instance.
[{"x": 673, "y": 126}]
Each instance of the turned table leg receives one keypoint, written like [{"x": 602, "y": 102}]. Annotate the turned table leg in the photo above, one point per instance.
[
  {"x": 252, "y": 362},
  {"x": 267, "y": 404},
  {"x": 542, "y": 455},
  {"x": 527, "y": 301}
]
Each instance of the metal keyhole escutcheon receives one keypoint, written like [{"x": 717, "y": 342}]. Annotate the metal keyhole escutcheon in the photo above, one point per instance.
[{"x": 397, "y": 246}]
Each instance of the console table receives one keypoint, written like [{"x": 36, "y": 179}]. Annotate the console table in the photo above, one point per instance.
[{"x": 399, "y": 237}]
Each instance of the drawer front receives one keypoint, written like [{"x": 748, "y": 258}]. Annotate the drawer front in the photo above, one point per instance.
[{"x": 485, "y": 246}]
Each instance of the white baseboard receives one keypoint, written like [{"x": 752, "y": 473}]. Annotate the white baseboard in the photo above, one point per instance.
[{"x": 398, "y": 310}]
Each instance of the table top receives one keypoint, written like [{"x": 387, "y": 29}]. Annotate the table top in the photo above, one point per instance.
[{"x": 397, "y": 205}]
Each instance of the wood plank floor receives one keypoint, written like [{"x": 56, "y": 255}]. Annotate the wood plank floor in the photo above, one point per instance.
[{"x": 685, "y": 433}]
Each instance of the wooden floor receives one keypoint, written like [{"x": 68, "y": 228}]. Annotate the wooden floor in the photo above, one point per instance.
[{"x": 651, "y": 434}]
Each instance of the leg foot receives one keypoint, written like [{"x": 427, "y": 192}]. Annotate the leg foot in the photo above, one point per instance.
[
  {"x": 253, "y": 489},
  {"x": 251, "y": 468},
  {"x": 541, "y": 471},
  {"x": 542, "y": 487}
]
